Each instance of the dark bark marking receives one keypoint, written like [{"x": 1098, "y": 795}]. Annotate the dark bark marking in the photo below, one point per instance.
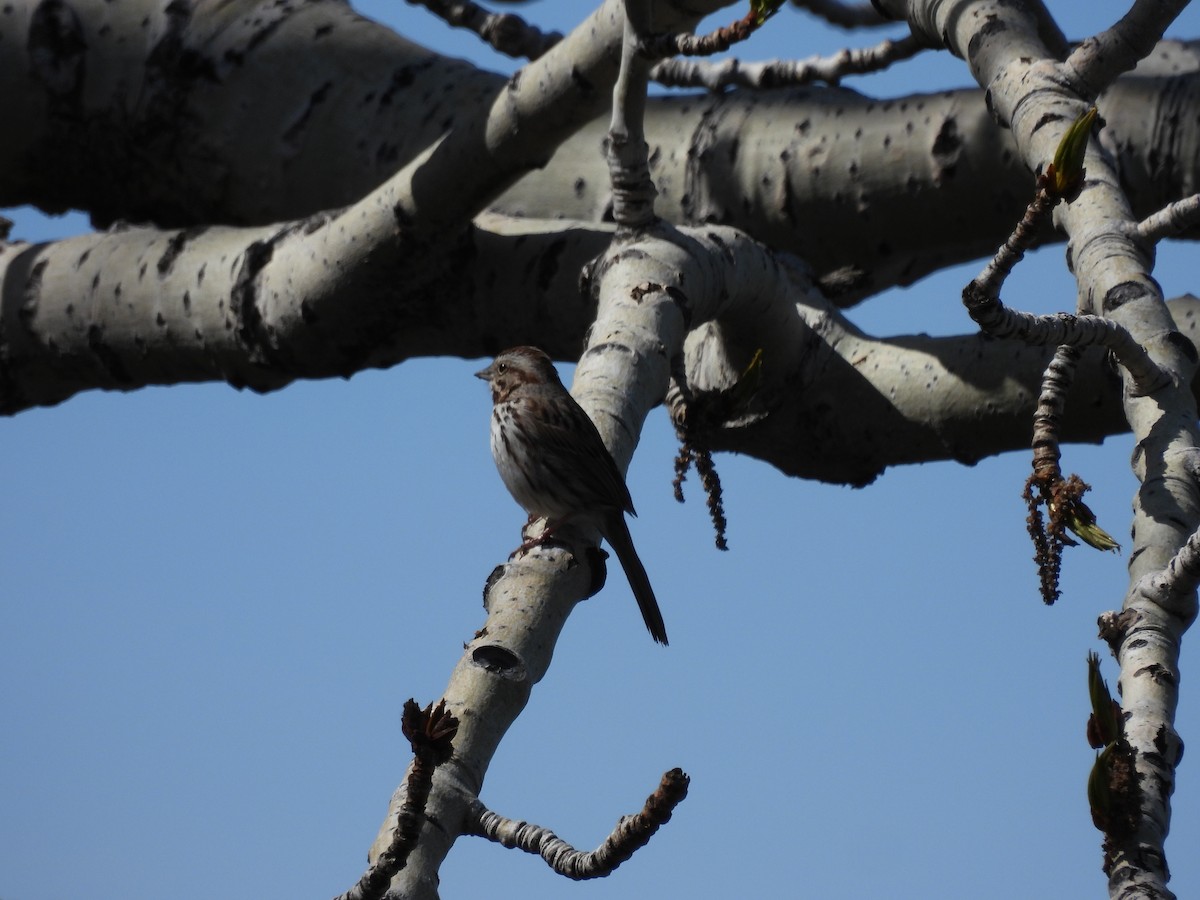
[
  {"x": 682, "y": 302},
  {"x": 243, "y": 298},
  {"x": 1047, "y": 119},
  {"x": 548, "y": 265},
  {"x": 171, "y": 59},
  {"x": 30, "y": 294},
  {"x": 1184, "y": 346},
  {"x": 947, "y": 148},
  {"x": 401, "y": 78},
  {"x": 108, "y": 359},
  {"x": 1123, "y": 293},
  {"x": 789, "y": 193},
  {"x": 175, "y": 247},
  {"x": 292, "y": 133},
  {"x": 56, "y": 49},
  {"x": 992, "y": 26},
  {"x": 582, "y": 84}
]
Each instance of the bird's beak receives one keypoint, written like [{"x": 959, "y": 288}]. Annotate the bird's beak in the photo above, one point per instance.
[{"x": 485, "y": 374}]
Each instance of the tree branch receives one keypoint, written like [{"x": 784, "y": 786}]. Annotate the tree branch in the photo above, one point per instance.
[
  {"x": 732, "y": 72},
  {"x": 845, "y": 15},
  {"x": 430, "y": 732},
  {"x": 1038, "y": 97},
  {"x": 339, "y": 113},
  {"x": 631, "y": 834},
  {"x": 505, "y": 32}
]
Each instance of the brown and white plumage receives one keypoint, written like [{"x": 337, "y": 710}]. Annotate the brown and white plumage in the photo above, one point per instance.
[{"x": 554, "y": 463}]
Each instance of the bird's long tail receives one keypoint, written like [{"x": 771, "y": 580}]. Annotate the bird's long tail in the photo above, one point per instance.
[{"x": 617, "y": 534}]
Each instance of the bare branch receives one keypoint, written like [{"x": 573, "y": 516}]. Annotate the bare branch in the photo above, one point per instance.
[
  {"x": 1030, "y": 90},
  {"x": 685, "y": 44},
  {"x": 1062, "y": 497},
  {"x": 981, "y": 298},
  {"x": 1174, "y": 588},
  {"x": 845, "y": 15},
  {"x": 1097, "y": 61},
  {"x": 1081, "y": 331},
  {"x": 506, "y": 32},
  {"x": 430, "y": 732},
  {"x": 683, "y": 72},
  {"x": 625, "y": 148},
  {"x": 1171, "y": 220},
  {"x": 631, "y": 834},
  {"x": 1052, "y": 401}
]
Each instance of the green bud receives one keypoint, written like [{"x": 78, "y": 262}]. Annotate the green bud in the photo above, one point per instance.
[
  {"x": 1082, "y": 524},
  {"x": 1099, "y": 791},
  {"x": 1104, "y": 726},
  {"x": 1066, "y": 173},
  {"x": 764, "y": 9}
]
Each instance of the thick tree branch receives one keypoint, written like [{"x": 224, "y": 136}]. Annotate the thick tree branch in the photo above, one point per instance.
[
  {"x": 906, "y": 399},
  {"x": 328, "y": 106},
  {"x": 619, "y": 379},
  {"x": 241, "y": 107},
  {"x": 1039, "y": 98},
  {"x": 860, "y": 167},
  {"x": 379, "y": 157}
]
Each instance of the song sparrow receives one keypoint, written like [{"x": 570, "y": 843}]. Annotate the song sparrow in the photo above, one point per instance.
[{"x": 554, "y": 463}]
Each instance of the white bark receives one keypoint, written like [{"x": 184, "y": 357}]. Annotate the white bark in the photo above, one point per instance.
[
  {"x": 320, "y": 190},
  {"x": 336, "y": 104},
  {"x": 1038, "y": 98}
]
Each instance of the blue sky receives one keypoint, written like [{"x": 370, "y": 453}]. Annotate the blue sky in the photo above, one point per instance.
[{"x": 216, "y": 603}]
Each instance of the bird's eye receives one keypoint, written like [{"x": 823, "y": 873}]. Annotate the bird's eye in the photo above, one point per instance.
[{"x": 502, "y": 368}]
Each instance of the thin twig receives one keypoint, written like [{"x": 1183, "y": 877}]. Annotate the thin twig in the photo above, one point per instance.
[
  {"x": 628, "y": 155},
  {"x": 844, "y": 15},
  {"x": 982, "y": 300},
  {"x": 430, "y": 732},
  {"x": 1012, "y": 251},
  {"x": 1080, "y": 331},
  {"x": 664, "y": 46},
  {"x": 631, "y": 834},
  {"x": 684, "y": 72},
  {"x": 1047, "y": 419},
  {"x": 1174, "y": 588},
  {"x": 505, "y": 32},
  {"x": 1172, "y": 219}
]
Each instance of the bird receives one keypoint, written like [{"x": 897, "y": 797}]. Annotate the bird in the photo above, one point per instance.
[{"x": 554, "y": 463}]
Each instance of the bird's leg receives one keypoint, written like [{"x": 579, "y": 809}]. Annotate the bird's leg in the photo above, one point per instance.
[{"x": 545, "y": 536}]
